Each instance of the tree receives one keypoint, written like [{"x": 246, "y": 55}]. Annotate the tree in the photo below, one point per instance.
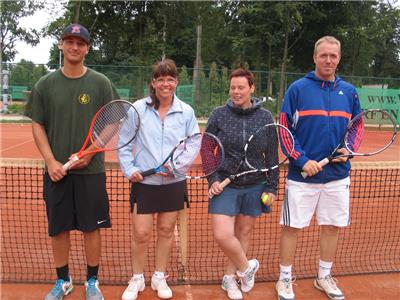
[
  {"x": 184, "y": 78},
  {"x": 10, "y": 29},
  {"x": 291, "y": 19},
  {"x": 26, "y": 73}
]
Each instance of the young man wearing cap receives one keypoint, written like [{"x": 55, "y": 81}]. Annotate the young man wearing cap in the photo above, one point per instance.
[{"x": 61, "y": 106}]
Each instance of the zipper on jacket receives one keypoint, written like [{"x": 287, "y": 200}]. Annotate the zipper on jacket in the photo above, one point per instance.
[
  {"x": 329, "y": 114},
  {"x": 162, "y": 145}
]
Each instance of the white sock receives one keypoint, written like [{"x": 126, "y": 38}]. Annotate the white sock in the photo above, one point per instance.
[
  {"x": 138, "y": 276},
  {"x": 286, "y": 272},
  {"x": 158, "y": 275},
  {"x": 324, "y": 268}
]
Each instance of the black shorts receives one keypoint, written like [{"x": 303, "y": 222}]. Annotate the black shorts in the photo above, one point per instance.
[
  {"x": 76, "y": 202},
  {"x": 159, "y": 198}
]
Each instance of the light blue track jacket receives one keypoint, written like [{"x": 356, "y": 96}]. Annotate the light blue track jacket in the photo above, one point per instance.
[
  {"x": 156, "y": 139},
  {"x": 317, "y": 112}
]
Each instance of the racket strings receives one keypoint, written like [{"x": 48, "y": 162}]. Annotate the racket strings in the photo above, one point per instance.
[
  {"x": 355, "y": 134},
  {"x": 198, "y": 148},
  {"x": 211, "y": 155},
  {"x": 287, "y": 142},
  {"x": 109, "y": 123},
  {"x": 264, "y": 150},
  {"x": 186, "y": 153},
  {"x": 370, "y": 132}
]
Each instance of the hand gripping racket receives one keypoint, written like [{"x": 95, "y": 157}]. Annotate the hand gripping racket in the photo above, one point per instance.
[
  {"x": 368, "y": 133},
  {"x": 108, "y": 123},
  {"x": 266, "y": 150},
  {"x": 201, "y": 148}
]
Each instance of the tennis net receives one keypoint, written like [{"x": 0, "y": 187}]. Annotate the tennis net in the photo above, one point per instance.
[{"x": 370, "y": 245}]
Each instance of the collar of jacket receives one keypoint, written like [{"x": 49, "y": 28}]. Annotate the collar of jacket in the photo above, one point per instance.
[
  {"x": 324, "y": 83},
  {"x": 255, "y": 104},
  {"x": 176, "y": 106}
]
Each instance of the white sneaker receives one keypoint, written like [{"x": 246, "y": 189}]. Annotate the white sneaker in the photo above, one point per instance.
[
  {"x": 247, "y": 278},
  {"x": 230, "y": 285},
  {"x": 136, "y": 285},
  {"x": 328, "y": 285},
  {"x": 160, "y": 285},
  {"x": 284, "y": 288}
]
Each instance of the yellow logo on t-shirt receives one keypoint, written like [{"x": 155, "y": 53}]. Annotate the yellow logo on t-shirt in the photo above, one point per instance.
[{"x": 84, "y": 98}]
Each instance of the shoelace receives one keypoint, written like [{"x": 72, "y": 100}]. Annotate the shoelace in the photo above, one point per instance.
[
  {"x": 287, "y": 282},
  {"x": 331, "y": 281},
  {"x": 57, "y": 289},
  {"x": 230, "y": 283},
  {"x": 162, "y": 283},
  {"x": 134, "y": 284},
  {"x": 250, "y": 274},
  {"x": 92, "y": 288}
]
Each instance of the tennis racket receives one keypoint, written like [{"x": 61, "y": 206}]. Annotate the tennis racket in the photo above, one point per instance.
[
  {"x": 112, "y": 119},
  {"x": 204, "y": 148},
  {"x": 266, "y": 150},
  {"x": 368, "y": 133}
]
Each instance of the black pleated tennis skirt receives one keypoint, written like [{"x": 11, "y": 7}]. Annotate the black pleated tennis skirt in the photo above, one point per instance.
[{"x": 159, "y": 198}]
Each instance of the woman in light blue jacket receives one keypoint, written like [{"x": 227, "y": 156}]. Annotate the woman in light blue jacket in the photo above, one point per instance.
[{"x": 165, "y": 120}]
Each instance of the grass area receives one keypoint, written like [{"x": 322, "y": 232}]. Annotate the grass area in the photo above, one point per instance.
[
  {"x": 16, "y": 108},
  {"x": 15, "y": 121}
]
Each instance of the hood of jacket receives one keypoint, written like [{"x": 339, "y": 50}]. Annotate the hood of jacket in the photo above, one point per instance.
[{"x": 255, "y": 104}]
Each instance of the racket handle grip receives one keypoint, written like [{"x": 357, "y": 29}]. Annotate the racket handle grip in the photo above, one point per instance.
[
  {"x": 222, "y": 185},
  {"x": 154, "y": 171},
  {"x": 148, "y": 172},
  {"x": 322, "y": 163},
  {"x": 68, "y": 164}
]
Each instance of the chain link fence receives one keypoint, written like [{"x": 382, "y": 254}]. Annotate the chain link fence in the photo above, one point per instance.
[{"x": 205, "y": 93}]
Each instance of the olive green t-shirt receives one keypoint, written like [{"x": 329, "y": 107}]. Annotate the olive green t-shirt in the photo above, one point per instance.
[{"x": 65, "y": 107}]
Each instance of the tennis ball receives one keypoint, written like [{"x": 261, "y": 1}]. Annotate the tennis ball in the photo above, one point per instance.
[{"x": 264, "y": 198}]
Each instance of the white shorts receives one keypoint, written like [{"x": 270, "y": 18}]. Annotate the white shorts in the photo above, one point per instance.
[{"x": 330, "y": 201}]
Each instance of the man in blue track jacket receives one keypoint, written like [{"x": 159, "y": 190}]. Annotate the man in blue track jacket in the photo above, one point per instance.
[{"x": 317, "y": 109}]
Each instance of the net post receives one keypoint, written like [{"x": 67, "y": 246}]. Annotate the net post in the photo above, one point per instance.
[{"x": 183, "y": 237}]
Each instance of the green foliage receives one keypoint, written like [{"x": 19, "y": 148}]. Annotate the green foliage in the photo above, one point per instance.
[
  {"x": 214, "y": 82},
  {"x": 26, "y": 73},
  {"x": 274, "y": 39},
  {"x": 11, "y": 31},
  {"x": 183, "y": 76},
  {"x": 268, "y": 36},
  {"x": 16, "y": 108}
]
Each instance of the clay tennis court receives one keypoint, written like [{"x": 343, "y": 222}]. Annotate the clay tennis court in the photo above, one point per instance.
[{"x": 17, "y": 142}]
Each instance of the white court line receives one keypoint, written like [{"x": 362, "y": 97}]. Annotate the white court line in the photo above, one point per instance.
[
  {"x": 188, "y": 292},
  {"x": 17, "y": 145}
]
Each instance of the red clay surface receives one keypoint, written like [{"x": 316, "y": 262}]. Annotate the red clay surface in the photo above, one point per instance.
[
  {"x": 361, "y": 287},
  {"x": 17, "y": 142}
]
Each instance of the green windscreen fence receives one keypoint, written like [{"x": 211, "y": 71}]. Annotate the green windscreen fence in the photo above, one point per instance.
[{"x": 386, "y": 99}]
